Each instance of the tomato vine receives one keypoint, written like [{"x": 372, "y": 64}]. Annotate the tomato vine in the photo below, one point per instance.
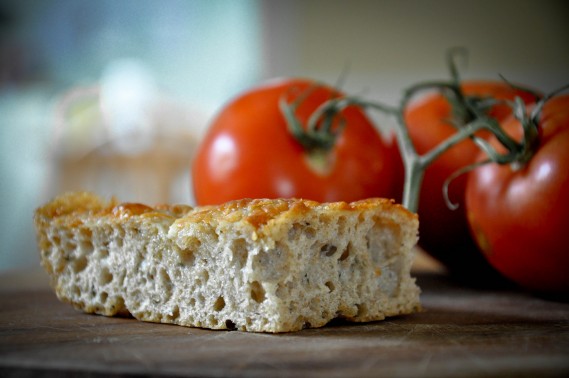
[{"x": 471, "y": 110}]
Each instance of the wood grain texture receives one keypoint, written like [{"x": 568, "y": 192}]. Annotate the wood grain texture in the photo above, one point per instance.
[{"x": 462, "y": 332}]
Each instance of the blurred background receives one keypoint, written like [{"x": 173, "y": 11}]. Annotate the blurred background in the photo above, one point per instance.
[{"x": 114, "y": 96}]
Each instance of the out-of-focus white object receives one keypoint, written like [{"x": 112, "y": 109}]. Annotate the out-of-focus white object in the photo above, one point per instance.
[{"x": 124, "y": 138}]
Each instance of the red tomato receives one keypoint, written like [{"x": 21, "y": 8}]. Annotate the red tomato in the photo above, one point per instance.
[
  {"x": 444, "y": 233},
  {"x": 249, "y": 152},
  {"x": 520, "y": 217}
]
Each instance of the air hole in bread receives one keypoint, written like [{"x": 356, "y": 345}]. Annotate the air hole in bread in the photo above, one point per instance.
[
  {"x": 257, "y": 292},
  {"x": 121, "y": 308},
  {"x": 219, "y": 304},
  {"x": 283, "y": 289},
  {"x": 86, "y": 233},
  {"x": 56, "y": 240},
  {"x": 102, "y": 253},
  {"x": 105, "y": 276},
  {"x": 212, "y": 321},
  {"x": 79, "y": 264},
  {"x": 205, "y": 275},
  {"x": 230, "y": 325},
  {"x": 103, "y": 296},
  {"x": 310, "y": 232},
  {"x": 324, "y": 218},
  {"x": 76, "y": 291},
  {"x": 239, "y": 250},
  {"x": 118, "y": 236},
  {"x": 120, "y": 232},
  {"x": 328, "y": 249},
  {"x": 44, "y": 244},
  {"x": 186, "y": 256},
  {"x": 362, "y": 310},
  {"x": 86, "y": 247},
  {"x": 293, "y": 231},
  {"x": 330, "y": 286},
  {"x": 341, "y": 226},
  {"x": 165, "y": 278},
  {"x": 69, "y": 246},
  {"x": 175, "y": 313},
  {"x": 201, "y": 299},
  {"x": 298, "y": 228},
  {"x": 346, "y": 253}
]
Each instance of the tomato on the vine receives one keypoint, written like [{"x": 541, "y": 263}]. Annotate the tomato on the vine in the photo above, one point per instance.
[
  {"x": 444, "y": 233},
  {"x": 519, "y": 215},
  {"x": 249, "y": 151}
]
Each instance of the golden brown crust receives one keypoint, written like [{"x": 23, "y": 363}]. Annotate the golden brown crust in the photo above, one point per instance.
[
  {"x": 74, "y": 203},
  {"x": 257, "y": 212},
  {"x": 77, "y": 204}
]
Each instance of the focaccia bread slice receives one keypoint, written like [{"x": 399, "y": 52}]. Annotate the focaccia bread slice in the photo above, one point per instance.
[{"x": 255, "y": 265}]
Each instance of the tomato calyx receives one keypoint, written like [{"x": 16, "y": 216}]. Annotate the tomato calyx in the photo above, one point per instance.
[
  {"x": 530, "y": 125},
  {"x": 517, "y": 153},
  {"x": 320, "y": 133},
  {"x": 318, "y": 137},
  {"x": 465, "y": 108}
]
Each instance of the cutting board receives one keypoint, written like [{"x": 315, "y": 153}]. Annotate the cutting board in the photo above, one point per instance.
[{"x": 461, "y": 332}]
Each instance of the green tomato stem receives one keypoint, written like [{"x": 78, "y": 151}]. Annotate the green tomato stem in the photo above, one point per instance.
[
  {"x": 414, "y": 173},
  {"x": 415, "y": 164},
  {"x": 320, "y": 136}
]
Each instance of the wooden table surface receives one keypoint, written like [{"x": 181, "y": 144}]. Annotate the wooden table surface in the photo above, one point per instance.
[{"x": 462, "y": 332}]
